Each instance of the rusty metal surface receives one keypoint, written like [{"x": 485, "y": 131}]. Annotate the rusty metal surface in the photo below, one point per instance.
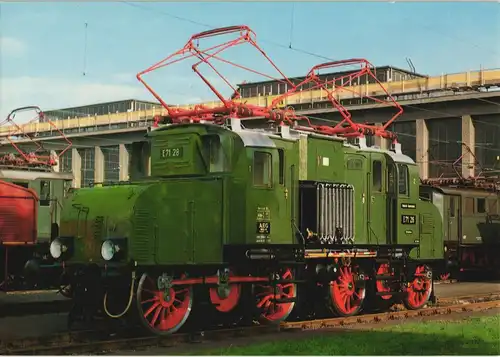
[{"x": 396, "y": 315}]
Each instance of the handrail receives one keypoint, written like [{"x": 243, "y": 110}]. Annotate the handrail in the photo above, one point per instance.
[{"x": 469, "y": 79}]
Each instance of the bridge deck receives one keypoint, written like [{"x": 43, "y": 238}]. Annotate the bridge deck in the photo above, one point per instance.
[{"x": 430, "y": 87}]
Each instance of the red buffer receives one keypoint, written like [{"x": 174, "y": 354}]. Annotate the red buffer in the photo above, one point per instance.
[
  {"x": 38, "y": 157},
  {"x": 210, "y": 55},
  {"x": 347, "y": 127}
]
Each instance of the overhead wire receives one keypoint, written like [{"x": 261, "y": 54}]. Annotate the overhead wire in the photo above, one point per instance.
[
  {"x": 291, "y": 24},
  {"x": 289, "y": 47},
  {"x": 211, "y": 27},
  {"x": 85, "y": 50}
]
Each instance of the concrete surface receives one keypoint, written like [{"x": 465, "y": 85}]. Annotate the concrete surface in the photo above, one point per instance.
[{"x": 465, "y": 289}]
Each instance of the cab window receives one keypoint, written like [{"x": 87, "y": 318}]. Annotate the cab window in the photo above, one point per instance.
[
  {"x": 377, "y": 176},
  {"x": 452, "y": 206},
  {"x": 391, "y": 179},
  {"x": 262, "y": 171},
  {"x": 214, "y": 153},
  {"x": 403, "y": 180},
  {"x": 281, "y": 158},
  {"x": 481, "y": 205},
  {"x": 21, "y": 184},
  {"x": 44, "y": 193}
]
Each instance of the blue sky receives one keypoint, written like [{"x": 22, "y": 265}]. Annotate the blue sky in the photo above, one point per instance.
[{"x": 42, "y": 44}]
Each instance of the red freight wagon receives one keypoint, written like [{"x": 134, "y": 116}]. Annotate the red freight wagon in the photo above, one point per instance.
[
  {"x": 18, "y": 214},
  {"x": 18, "y": 228}
]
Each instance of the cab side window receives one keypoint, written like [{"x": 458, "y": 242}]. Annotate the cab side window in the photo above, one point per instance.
[
  {"x": 44, "y": 193},
  {"x": 262, "y": 169},
  {"x": 452, "y": 206},
  {"x": 377, "y": 176},
  {"x": 481, "y": 205},
  {"x": 22, "y": 184},
  {"x": 403, "y": 180},
  {"x": 281, "y": 158}
]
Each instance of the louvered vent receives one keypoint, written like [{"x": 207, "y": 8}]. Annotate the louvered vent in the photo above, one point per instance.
[
  {"x": 427, "y": 223},
  {"x": 142, "y": 235}
]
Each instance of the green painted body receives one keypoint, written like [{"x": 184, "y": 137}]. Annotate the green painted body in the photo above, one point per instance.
[{"x": 211, "y": 187}]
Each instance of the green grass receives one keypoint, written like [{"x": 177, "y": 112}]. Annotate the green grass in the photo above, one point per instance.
[{"x": 474, "y": 336}]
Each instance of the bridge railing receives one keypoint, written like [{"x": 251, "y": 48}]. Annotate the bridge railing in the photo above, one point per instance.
[{"x": 456, "y": 81}]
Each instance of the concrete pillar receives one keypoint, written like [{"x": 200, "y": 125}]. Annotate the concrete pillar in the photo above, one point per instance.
[
  {"x": 76, "y": 168},
  {"x": 422, "y": 152},
  {"x": 468, "y": 143},
  {"x": 123, "y": 158},
  {"x": 140, "y": 160},
  {"x": 57, "y": 167},
  {"x": 98, "y": 166},
  {"x": 382, "y": 143}
]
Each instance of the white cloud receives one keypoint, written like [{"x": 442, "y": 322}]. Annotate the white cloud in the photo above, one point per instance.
[
  {"x": 53, "y": 93},
  {"x": 57, "y": 93},
  {"x": 125, "y": 77},
  {"x": 10, "y": 46}
]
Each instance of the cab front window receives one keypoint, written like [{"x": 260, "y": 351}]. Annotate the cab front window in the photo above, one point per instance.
[
  {"x": 262, "y": 170},
  {"x": 214, "y": 153}
]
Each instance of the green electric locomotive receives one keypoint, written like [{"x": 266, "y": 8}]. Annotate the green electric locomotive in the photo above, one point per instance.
[
  {"x": 289, "y": 222},
  {"x": 227, "y": 207}
]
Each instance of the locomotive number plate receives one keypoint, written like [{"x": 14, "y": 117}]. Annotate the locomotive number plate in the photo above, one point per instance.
[
  {"x": 264, "y": 227},
  {"x": 171, "y": 153},
  {"x": 408, "y": 219}
]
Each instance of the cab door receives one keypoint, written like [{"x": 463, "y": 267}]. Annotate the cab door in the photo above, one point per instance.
[
  {"x": 287, "y": 190},
  {"x": 453, "y": 219},
  {"x": 377, "y": 200},
  {"x": 45, "y": 213}
]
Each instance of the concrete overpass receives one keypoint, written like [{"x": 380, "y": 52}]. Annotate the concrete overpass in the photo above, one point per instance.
[{"x": 464, "y": 96}]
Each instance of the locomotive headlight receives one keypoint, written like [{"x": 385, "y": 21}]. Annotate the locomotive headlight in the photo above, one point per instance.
[
  {"x": 58, "y": 247},
  {"x": 111, "y": 249}
]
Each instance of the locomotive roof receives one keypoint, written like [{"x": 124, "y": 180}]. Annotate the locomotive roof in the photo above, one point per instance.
[
  {"x": 262, "y": 138},
  {"x": 473, "y": 191},
  {"x": 34, "y": 175}
]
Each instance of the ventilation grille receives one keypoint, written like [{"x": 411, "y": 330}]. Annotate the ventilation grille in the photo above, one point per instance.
[
  {"x": 142, "y": 235},
  {"x": 427, "y": 223}
]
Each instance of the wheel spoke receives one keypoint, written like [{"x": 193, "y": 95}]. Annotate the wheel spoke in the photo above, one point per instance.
[
  {"x": 155, "y": 298},
  {"x": 263, "y": 301},
  {"x": 162, "y": 317},
  {"x": 274, "y": 312},
  {"x": 157, "y": 313},
  {"x": 419, "y": 290},
  {"x": 345, "y": 298},
  {"x": 151, "y": 309}
]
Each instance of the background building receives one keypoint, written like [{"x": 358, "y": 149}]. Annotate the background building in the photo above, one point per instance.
[
  {"x": 383, "y": 74},
  {"x": 121, "y": 106}
]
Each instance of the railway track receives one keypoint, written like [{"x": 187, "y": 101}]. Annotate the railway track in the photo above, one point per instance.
[{"x": 100, "y": 342}]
